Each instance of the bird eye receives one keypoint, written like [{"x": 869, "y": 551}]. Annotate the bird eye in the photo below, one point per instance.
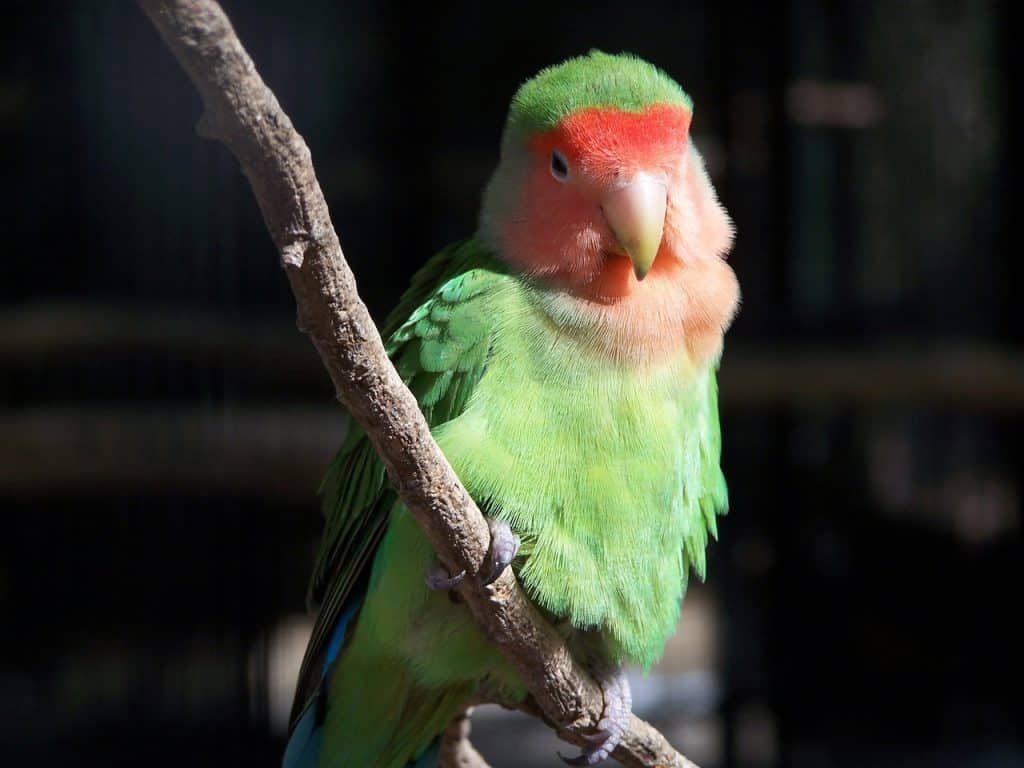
[{"x": 559, "y": 167}]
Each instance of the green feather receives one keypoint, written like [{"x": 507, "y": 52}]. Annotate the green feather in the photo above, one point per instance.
[
  {"x": 356, "y": 496},
  {"x": 610, "y": 475},
  {"x": 595, "y": 80},
  {"x": 608, "y": 471}
]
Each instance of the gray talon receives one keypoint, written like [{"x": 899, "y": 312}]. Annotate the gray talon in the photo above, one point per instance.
[
  {"x": 438, "y": 579},
  {"x": 580, "y": 759},
  {"x": 618, "y": 704},
  {"x": 503, "y": 549}
]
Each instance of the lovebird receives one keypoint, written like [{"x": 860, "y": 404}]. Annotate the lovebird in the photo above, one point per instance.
[{"x": 565, "y": 357}]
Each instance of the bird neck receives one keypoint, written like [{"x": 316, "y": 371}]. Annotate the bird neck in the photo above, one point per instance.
[{"x": 678, "y": 308}]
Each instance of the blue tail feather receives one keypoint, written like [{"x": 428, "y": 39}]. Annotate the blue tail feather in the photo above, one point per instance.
[
  {"x": 303, "y": 750},
  {"x": 429, "y": 758},
  {"x": 338, "y": 635}
]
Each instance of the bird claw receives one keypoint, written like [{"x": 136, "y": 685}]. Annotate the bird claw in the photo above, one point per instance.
[
  {"x": 438, "y": 579},
  {"x": 618, "y": 705},
  {"x": 580, "y": 759},
  {"x": 502, "y": 551},
  {"x": 500, "y": 554}
]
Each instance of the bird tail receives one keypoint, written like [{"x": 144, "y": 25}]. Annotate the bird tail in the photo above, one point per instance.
[
  {"x": 303, "y": 750},
  {"x": 379, "y": 714},
  {"x": 305, "y": 744},
  {"x": 414, "y": 741}
]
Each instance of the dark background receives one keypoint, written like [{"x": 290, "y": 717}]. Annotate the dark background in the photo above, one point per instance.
[{"x": 163, "y": 426}]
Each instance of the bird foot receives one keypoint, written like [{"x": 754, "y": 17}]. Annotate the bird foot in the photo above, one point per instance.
[
  {"x": 438, "y": 578},
  {"x": 618, "y": 705},
  {"x": 500, "y": 554},
  {"x": 502, "y": 551}
]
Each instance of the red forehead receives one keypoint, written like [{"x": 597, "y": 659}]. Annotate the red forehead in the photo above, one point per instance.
[{"x": 599, "y": 131}]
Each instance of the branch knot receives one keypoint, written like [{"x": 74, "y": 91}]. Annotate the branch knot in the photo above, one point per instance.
[{"x": 293, "y": 255}]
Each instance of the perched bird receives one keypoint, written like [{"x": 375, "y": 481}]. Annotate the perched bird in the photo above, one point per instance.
[{"x": 565, "y": 358}]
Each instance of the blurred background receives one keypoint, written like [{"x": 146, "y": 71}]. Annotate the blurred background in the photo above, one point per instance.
[{"x": 163, "y": 425}]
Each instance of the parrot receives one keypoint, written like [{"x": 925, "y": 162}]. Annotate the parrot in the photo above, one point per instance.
[{"x": 565, "y": 357}]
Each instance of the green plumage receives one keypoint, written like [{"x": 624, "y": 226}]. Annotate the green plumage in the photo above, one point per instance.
[
  {"x": 595, "y": 80},
  {"x": 610, "y": 475},
  {"x": 607, "y": 469}
]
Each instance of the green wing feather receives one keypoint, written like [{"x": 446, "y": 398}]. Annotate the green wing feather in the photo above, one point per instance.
[{"x": 438, "y": 337}]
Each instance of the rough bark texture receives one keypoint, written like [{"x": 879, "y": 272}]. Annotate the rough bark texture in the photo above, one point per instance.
[{"x": 242, "y": 112}]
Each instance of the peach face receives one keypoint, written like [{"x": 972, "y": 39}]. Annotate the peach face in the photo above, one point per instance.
[{"x": 600, "y": 197}]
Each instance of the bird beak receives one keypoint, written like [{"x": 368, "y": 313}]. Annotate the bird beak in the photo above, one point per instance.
[{"x": 636, "y": 215}]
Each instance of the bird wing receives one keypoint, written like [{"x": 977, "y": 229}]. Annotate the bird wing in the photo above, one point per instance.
[{"x": 438, "y": 337}]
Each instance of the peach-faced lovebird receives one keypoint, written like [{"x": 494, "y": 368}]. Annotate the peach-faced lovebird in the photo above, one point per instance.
[{"x": 565, "y": 358}]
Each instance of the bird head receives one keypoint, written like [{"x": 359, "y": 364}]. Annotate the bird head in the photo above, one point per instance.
[{"x": 599, "y": 186}]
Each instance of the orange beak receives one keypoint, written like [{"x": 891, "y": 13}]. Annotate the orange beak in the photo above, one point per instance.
[{"x": 636, "y": 215}]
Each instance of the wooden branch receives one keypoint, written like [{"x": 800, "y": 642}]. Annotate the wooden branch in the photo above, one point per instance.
[{"x": 241, "y": 112}]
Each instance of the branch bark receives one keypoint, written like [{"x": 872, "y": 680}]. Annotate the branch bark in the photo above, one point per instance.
[{"x": 242, "y": 113}]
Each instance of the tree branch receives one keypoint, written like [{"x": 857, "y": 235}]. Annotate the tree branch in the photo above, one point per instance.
[{"x": 243, "y": 113}]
